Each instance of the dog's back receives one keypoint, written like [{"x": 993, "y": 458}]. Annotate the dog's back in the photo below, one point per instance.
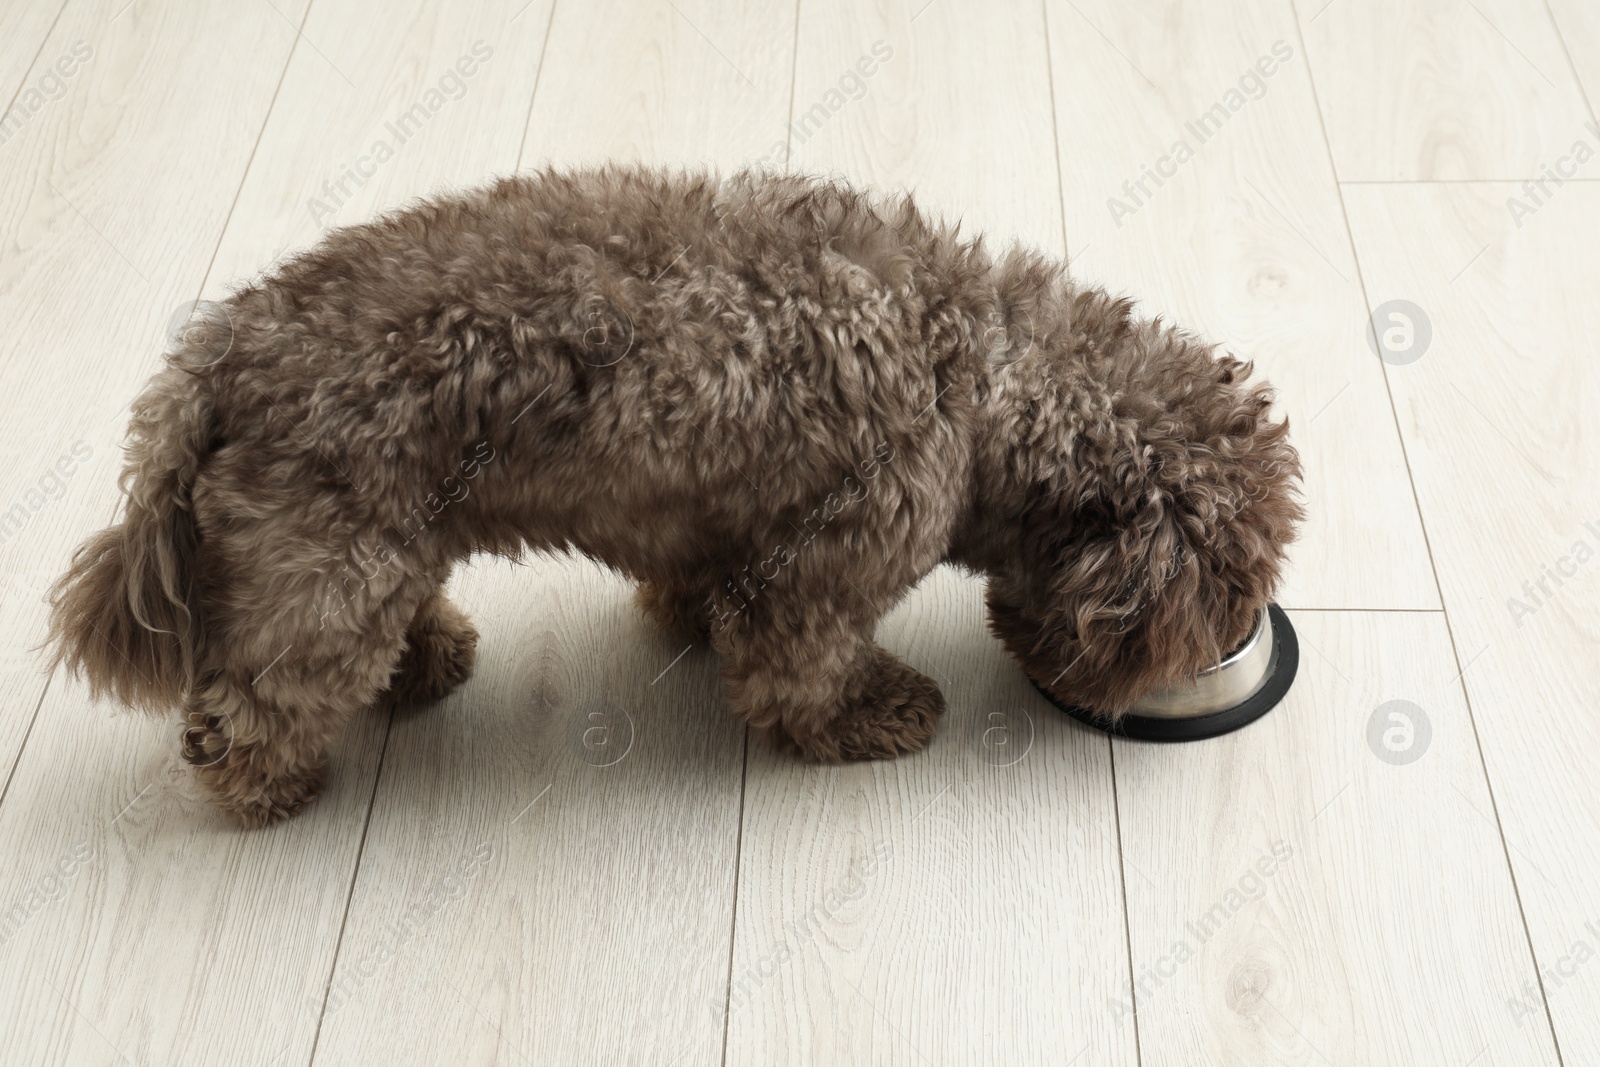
[{"x": 668, "y": 372}]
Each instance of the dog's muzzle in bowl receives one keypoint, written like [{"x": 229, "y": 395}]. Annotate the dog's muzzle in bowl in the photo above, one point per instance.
[{"x": 1245, "y": 685}]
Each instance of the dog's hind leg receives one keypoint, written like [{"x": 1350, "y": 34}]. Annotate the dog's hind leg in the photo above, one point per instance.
[
  {"x": 804, "y": 671},
  {"x": 441, "y": 647},
  {"x": 274, "y": 691}
]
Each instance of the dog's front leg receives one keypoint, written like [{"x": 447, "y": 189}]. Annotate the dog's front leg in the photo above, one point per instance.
[
  {"x": 679, "y": 609},
  {"x": 441, "y": 647},
  {"x": 806, "y": 674}
]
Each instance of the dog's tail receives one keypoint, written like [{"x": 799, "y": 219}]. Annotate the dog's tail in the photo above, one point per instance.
[{"x": 124, "y": 615}]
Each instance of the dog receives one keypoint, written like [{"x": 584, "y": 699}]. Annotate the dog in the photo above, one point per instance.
[{"x": 775, "y": 402}]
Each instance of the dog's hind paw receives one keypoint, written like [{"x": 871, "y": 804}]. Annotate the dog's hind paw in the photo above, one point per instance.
[
  {"x": 441, "y": 647},
  {"x": 890, "y": 709}
]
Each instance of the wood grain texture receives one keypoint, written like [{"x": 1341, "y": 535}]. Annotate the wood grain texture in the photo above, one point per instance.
[
  {"x": 1500, "y": 414},
  {"x": 959, "y": 111},
  {"x": 141, "y": 925},
  {"x": 960, "y": 906},
  {"x": 549, "y": 872},
  {"x": 917, "y": 911},
  {"x": 24, "y": 66},
  {"x": 1578, "y": 24},
  {"x": 1199, "y": 185},
  {"x": 114, "y": 926},
  {"x": 1441, "y": 90},
  {"x": 1300, "y": 900},
  {"x": 685, "y": 82},
  {"x": 381, "y": 112}
]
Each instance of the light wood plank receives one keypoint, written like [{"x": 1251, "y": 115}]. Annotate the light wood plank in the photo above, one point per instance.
[
  {"x": 182, "y": 938},
  {"x": 941, "y": 908},
  {"x": 962, "y": 906},
  {"x": 1303, "y": 901},
  {"x": 583, "y": 791},
  {"x": 27, "y": 87},
  {"x": 956, "y": 108},
  {"x": 1441, "y": 89},
  {"x": 1242, "y": 240},
  {"x": 1578, "y": 25},
  {"x": 374, "y": 116},
  {"x": 685, "y": 82},
  {"x": 1500, "y": 416},
  {"x": 599, "y": 930},
  {"x": 141, "y": 926}
]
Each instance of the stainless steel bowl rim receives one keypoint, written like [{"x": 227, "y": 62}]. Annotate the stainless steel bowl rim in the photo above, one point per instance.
[{"x": 1228, "y": 684}]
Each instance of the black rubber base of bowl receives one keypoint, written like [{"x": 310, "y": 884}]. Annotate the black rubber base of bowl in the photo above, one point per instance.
[{"x": 1201, "y": 727}]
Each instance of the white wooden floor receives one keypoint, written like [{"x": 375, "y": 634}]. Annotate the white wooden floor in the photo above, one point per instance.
[{"x": 484, "y": 882}]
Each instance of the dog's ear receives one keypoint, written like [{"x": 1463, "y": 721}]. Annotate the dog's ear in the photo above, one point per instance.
[
  {"x": 1113, "y": 602},
  {"x": 1149, "y": 548}
]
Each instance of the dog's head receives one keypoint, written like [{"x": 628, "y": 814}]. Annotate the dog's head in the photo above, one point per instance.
[{"x": 1157, "y": 515}]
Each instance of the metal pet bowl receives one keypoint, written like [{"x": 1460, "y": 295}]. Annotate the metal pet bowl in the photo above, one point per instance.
[{"x": 1246, "y": 685}]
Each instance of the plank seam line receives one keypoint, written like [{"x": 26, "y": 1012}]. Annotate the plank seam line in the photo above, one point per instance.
[
  {"x": 794, "y": 77},
  {"x": 733, "y": 923},
  {"x": 26, "y": 734},
  {"x": 538, "y": 79},
  {"x": 50, "y": 675},
  {"x": 244, "y": 176},
  {"x": 1055, "y": 133},
  {"x": 1572, "y": 68},
  {"x": 1127, "y": 924},
  {"x": 34, "y": 62},
  {"x": 355, "y": 875}
]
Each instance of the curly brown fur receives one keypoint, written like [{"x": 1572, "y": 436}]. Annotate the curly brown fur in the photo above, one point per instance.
[
  {"x": 441, "y": 648},
  {"x": 773, "y": 401},
  {"x": 675, "y": 609}
]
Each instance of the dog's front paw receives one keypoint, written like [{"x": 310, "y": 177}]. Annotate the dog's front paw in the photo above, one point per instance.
[
  {"x": 890, "y": 709},
  {"x": 441, "y": 648},
  {"x": 675, "y": 610}
]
